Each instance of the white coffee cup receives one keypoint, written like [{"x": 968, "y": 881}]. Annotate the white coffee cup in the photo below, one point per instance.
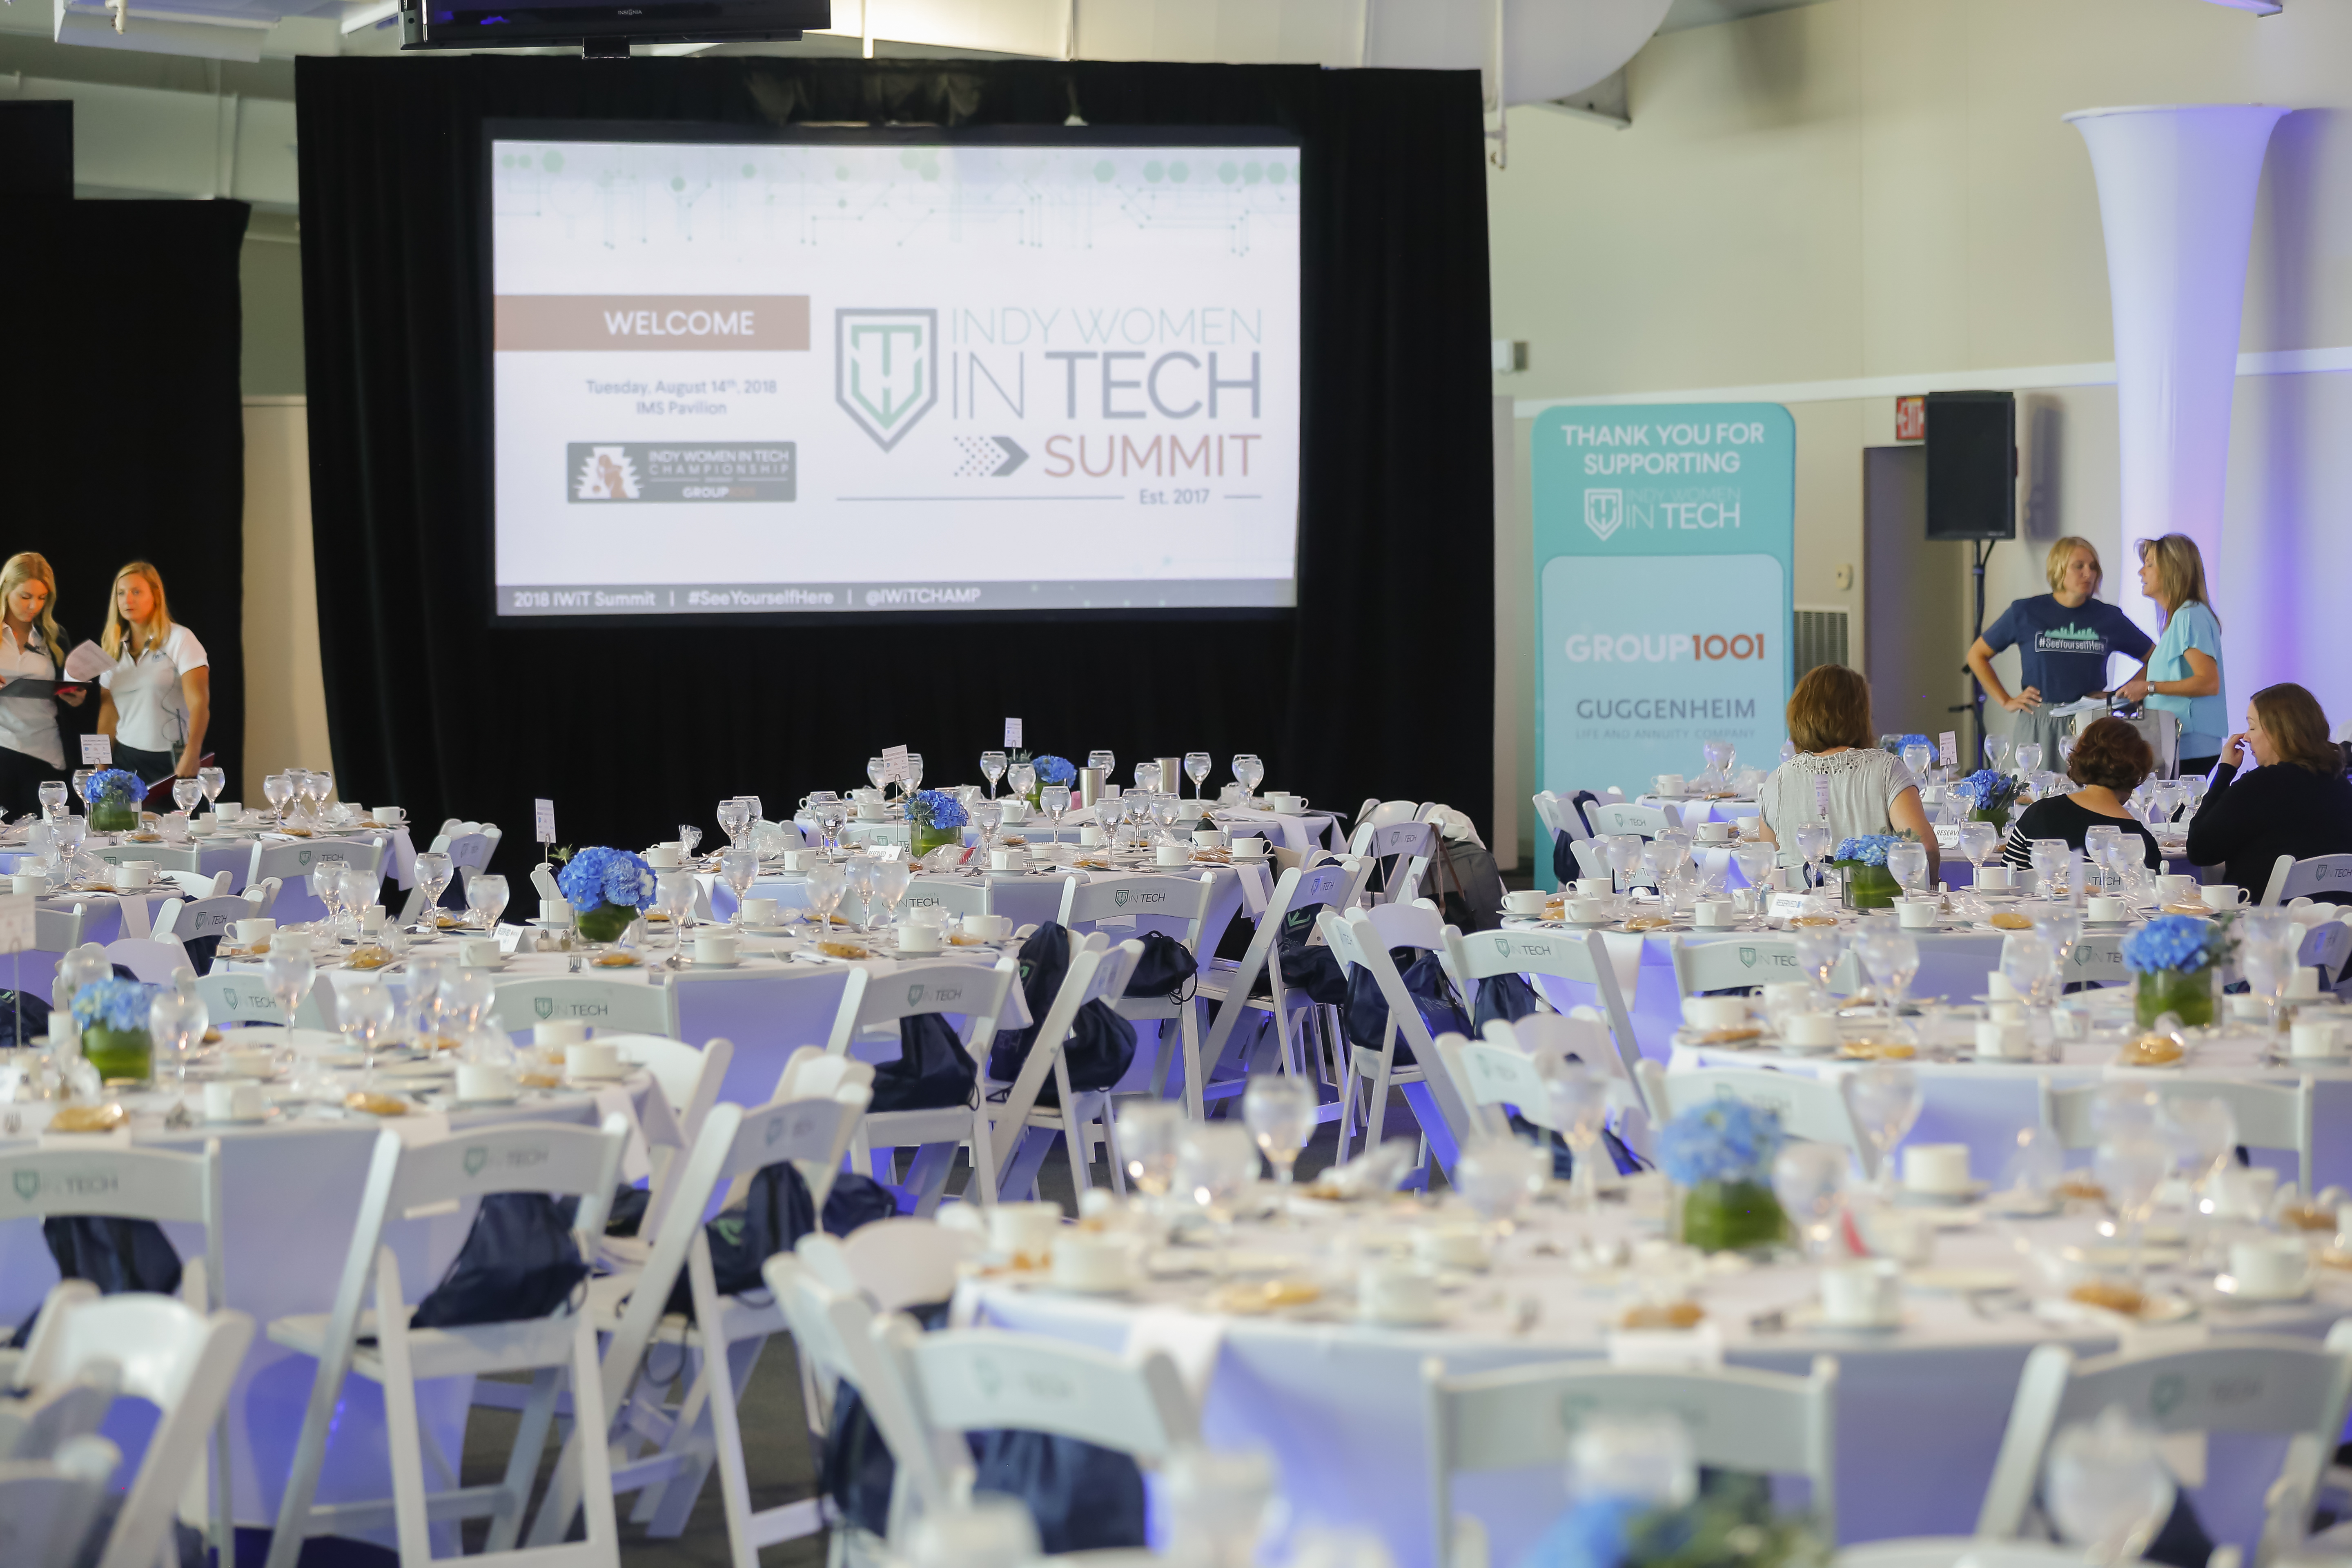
[
  {"x": 1714, "y": 914},
  {"x": 390, "y": 816},
  {"x": 2270, "y": 1266},
  {"x": 872, "y": 811},
  {"x": 1993, "y": 877},
  {"x": 1025, "y": 1234},
  {"x": 477, "y": 1082},
  {"x": 1671, "y": 783},
  {"x": 1212, "y": 838},
  {"x": 248, "y": 1061},
  {"x": 1862, "y": 1295},
  {"x": 253, "y": 932},
  {"x": 2248, "y": 1009},
  {"x": 1715, "y": 832},
  {"x": 1750, "y": 827},
  {"x": 371, "y": 918},
  {"x": 715, "y": 947},
  {"x": 199, "y": 827},
  {"x": 1593, "y": 888},
  {"x": 1451, "y": 1246},
  {"x": 1250, "y": 848},
  {"x": 593, "y": 1058},
  {"x": 2223, "y": 896},
  {"x": 1588, "y": 911},
  {"x": 1940, "y": 1169},
  {"x": 562, "y": 1032},
  {"x": 1008, "y": 860},
  {"x": 988, "y": 928},
  {"x": 2173, "y": 889},
  {"x": 1091, "y": 1260},
  {"x": 1810, "y": 1031},
  {"x": 2315, "y": 1037},
  {"x": 1919, "y": 914},
  {"x": 29, "y": 882},
  {"x": 1526, "y": 901},
  {"x": 1016, "y": 813},
  {"x": 479, "y": 953},
  {"x": 761, "y": 911},
  {"x": 1391, "y": 1293},
  {"x": 918, "y": 936},
  {"x": 798, "y": 861},
  {"x": 1090, "y": 833},
  {"x": 666, "y": 857},
  {"x": 2103, "y": 909},
  {"x": 1284, "y": 805},
  {"x": 2303, "y": 985},
  {"x": 132, "y": 875},
  {"x": 228, "y": 811},
  {"x": 234, "y": 1099},
  {"x": 2003, "y": 1039},
  {"x": 1714, "y": 1011},
  {"x": 1173, "y": 854}
]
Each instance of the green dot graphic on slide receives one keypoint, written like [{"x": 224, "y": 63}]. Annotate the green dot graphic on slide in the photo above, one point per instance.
[
  {"x": 909, "y": 157},
  {"x": 1102, "y": 171},
  {"x": 1179, "y": 172},
  {"x": 1228, "y": 171},
  {"x": 750, "y": 172},
  {"x": 929, "y": 171},
  {"x": 841, "y": 173},
  {"x": 1252, "y": 172},
  {"x": 1275, "y": 174},
  {"x": 552, "y": 162},
  {"x": 678, "y": 181},
  {"x": 507, "y": 162},
  {"x": 1153, "y": 172}
]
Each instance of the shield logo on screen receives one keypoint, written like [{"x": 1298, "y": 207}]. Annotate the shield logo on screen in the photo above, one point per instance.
[
  {"x": 1604, "y": 512},
  {"x": 886, "y": 369},
  {"x": 1748, "y": 957},
  {"x": 914, "y": 995},
  {"x": 28, "y": 1184},
  {"x": 543, "y": 1005}
]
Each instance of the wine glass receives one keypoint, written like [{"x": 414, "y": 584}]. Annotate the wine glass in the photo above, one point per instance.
[
  {"x": 288, "y": 971},
  {"x": 212, "y": 781},
  {"x": 1279, "y": 1111},
  {"x": 676, "y": 891},
  {"x": 858, "y": 872},
  {"x": 914, "y": 780},
  {"x": 1023, "y": 777},
  {"x": 360, "y": 890},
  {"x": 2095, "y": 841},
  {"x": 738, "y": 865},
  {"x": 1147, "y": 774},
  {"x": 1755, "y": 863},
  {"x": 434, "y": 869},
  {"x": 276, "y": 789},
  {"x": 1196, "y": 768},
  {"x": 2130, "y": 1163},
  {"x": 1055, "y": 798},
  {"x": 1149, "y": 1134},
  {"x": 986, "y": 816},
  {"x": 322, "y": 785},
  {"x": 326, "y": 881},
  {"x": 421, "y": 995},
  {"x": 2030, "y": 963},
  {"x": 1215, "y": 1163},
  {"x": 992, "y": 768},
  {"x": 2268, "y": 946},
  {"x": 1884, "y": 1099},
  {"x": 1248, "y": 772},
  {"x": 186, "y": 793},
  {"x": 466, "y": 996},
  {"x": 53, "y": 798},
  {"x": 1817, "y": 951},
  {"x": 891, "y": 880},
  {"x": 1996, "y": 750},
  {"x": 1813, "y": 846},
  {"x": 2203, "y": 1130},
  {"x": 1907, "y": 864},
  {"x": 2107, "y": 1487},
  {"x": 486, "y": 895},
  {"x": 1579, "y": 1108},
  {"x": 1498, "y": 1174},
  {"x": 1810, "y": 1180},
  {"x": 1891, "y": 956},
  {"x": 1917, "y": 756},
  {"x": 2051, "y": 857},
  {"x": 688, "y": 836},
  {"x": 1978, "y": 842},
  {"x": 363, "y": 1010},
  {"x": 827, "y": 881},
  {"x": 2028, "y": 756},
  {"x": 1624, "y": 850},
  {"x": 176, "y": 1024},
  {"x": 734, "y": 817},
  {"x": 877, "y": 770}
]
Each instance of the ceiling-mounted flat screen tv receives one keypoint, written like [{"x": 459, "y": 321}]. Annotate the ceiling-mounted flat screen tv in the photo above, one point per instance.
[{"x": 615, "y": 25}]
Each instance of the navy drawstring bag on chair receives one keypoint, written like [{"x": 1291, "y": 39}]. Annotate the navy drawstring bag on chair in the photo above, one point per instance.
[
  {"x": 1367, "y": 1011},
  {"x": 1101, "y": 1045}
]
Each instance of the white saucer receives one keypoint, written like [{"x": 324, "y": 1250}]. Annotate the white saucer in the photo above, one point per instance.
[
  {"x": 1808, "y": 1315},
  {"x": 485, "y": 1104},
  {"x": 733, "y": 963},
  {"x": 1436, "y": 1317},
  {"x": 2227, "y": 1285},
  {"x": 1111, "y": 1289},
  {"x": 267, "y": 1113},
  {"x": 1968, "y": 1194},
  {"x": 1961, "y": 1281},
  {"x": 616, "y": 1076}
]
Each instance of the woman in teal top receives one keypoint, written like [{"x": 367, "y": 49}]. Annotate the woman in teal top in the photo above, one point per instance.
[{"x": 2183, "y": 674}]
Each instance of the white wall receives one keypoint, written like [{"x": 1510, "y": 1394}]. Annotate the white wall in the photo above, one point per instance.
[
  {"x": 1831, "y": 206},
  {"x": 285, "y": 690}
]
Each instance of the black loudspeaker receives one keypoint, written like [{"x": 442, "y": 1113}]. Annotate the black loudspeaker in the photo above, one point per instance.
[{"x": 1972, "y": 465}]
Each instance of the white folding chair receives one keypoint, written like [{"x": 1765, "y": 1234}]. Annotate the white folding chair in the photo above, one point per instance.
[
  {"x": 1738, "y": 962},
  {"x": 1176, "y": 906},
  {"x": 689, "y": 1080},
  {"x": 2294, "y": 879},
  {"x": 1617, "y": 816},
  {"x": 960, "y": 897},
  {"x": 898, "y": 1263},
  {"x": 1235, "y": 988},
  {"x": 1496, "y": 1071},
  {"x": 1764, "y": 1423},
  {"x": 263, "y": 893},
  {"x": 619, "y": 1007},
  {"x": 425, "y": 1177},
  {"x": 1403, "y": 850},
  {"x": 1808, "y": 1108},
  {"x": 154, "y": 959},
  {"x": 2238, "y": 1383},
  {"x": 167, "y": 858},
  {"x": 1011, "y": 1136},
  {"x": 666, "y": 1451},
  {"x": 201, "y": 885},
  {"x": 1580, "y": 960},
  {"x": 1362, "y": 940},
  {"x": 237, "y": 996},
  {"x": 2269, "y": 1115},
  {"x": 37, "y": 1421},
  {"x": 57, "y": 930},
  {"x": 2326, "y": 944},
  {"x": 291, "y": 863},
  {"x": 47, "y": 1507},
  {"x": 177, "y": 1358},
  {"x": 186, "y": 920},
  {"x": 1555, "y": 815},
  {"x": 470, "y": 846},
  {"x": 879, "y": 1002}
]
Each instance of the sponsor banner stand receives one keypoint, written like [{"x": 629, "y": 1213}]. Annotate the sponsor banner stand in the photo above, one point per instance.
[{"x": 1664, "y": 546}]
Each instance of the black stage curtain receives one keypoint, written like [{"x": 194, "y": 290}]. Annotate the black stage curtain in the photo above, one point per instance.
[
  {"x": 1381, "y": 684},
  {"x": 122, "y": 423}
]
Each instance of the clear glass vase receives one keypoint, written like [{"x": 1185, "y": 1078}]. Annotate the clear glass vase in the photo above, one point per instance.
[
  {"x": 2187, "y": 993},
  {"x": 1733, "y": 1216}
]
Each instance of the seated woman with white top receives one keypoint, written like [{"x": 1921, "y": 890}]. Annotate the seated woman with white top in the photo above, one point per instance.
[
  {"x": 32, "y": 752},
  {"x": 159, "y": 694},
  {"x": 1839, "y": 775}
]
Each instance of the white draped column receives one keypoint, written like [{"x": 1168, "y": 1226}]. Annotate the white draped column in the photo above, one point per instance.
[{"x": 2177, "y": 187}]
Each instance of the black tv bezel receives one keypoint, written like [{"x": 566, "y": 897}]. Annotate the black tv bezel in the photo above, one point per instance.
[
  {"x": 495, "y": 129},
  {"x": 557, "y": 26}
]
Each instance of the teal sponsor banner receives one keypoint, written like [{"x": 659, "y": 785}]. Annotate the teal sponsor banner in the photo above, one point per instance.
[{"x": 1665, "y": 548}]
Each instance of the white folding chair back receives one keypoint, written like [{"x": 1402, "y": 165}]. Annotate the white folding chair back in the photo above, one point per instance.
[
  {"x": 1744, "y": 960},
  {"x": 1761, "y": 1422},
  {"x": 39, "y": 1420},
  {"x": 199, "y": 885},
  {"x": 1362, "y": 940},
  {"x": 2326, "y": 946},
  {"x": 47, "y": 1507},
  {"x": 841, "y": 1336},
  {"x": 971, "y": 1380},
  {"x": 154, "y": 959},
  {"x": 689, "y": 1080},
  {"x": 233, "y": 996},
  {"x": 898, "y": 1263},
  {"x": 1011, "y": 1136},
  {"x": 1808, "y": 1108},
  {"x": 432, "y": 1177},
  {"x": 1329, "y": 885},
  {"x": 469, "y": 846},
  {"x": 1578, "y": 958},
  {"x": 2242, "y": 1384},
  {"x": 1616, "y": 816},
  {"x": 187, "y": 920},
  {"x": 57, "y": 930},
  {"x": 294, "y": 862},
  {"x": 870, "y": 1002},
  {"x": 615, "y": 1006},
  {"x": 1490, "y": 1074},
  {"x": 2294, "y": 879},
  {"x": 2269, "y": 1115},
  {"x": 959, "y": 896},
  {"x": 1404, "y": 847},
  {"x": 1177, "y": 906},
  {"x": 177, "y": 1358},
  {"x": 1557, "y": 817},
  {"x": 167, "y": 858}
]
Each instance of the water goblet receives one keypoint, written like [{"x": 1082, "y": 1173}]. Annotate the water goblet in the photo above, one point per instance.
[
  {"x": 466, "y": 996},
  {"x": 1279, "y": 1111},
  {"x": 2129, "y": 1165},
  {"x": 1996, "y": 750},
  {"x": 831, "y": 817},
  {"x": 1215, "y": 1163},
  {"x": 891, "y": 880},
  {"x": 1023, "y": 777},
  {"x": 1109, "y": 811},
  {"x": 992, "y": 768},
  {"x": 1810, "y": 1180},
  {"x": 486, "y": 895},
  {"x": 175, "y": 1024},
  {"x": 673, "y": 894},
  {"x": 359, "y": 889},
  {"x": 1813, "y": 846},
  {"x": 1978, "y": 842},
  {"x": 365, "y": 1010},
  {"x": 421, "y": 998},
  {"x": 2051, "y": 857},
  {"x": 1055, "y": 799},
  {"x": 289, "y": 973},
  {"x": 1884, "y": 1099},
  {"x": 2030, "y": 963},
  {"x": 53, "y": 798},
  {"x": 1891, "y": 956},
  {"x": 1196, "y": 768},
  {"x": 212, "y": 781},
  {"x": 326, "y": 885},
  {"x": 186, "y": 793},
  {"x": 2095, "y": 840},
  {"x": 434, "y": 869},
  {"x": 1918, "y": 757},
  {"x": 1580, "y": 1109},
  {"x": 1625, "y": 851},
  {"x": 2269, "y": 943},
  {"x": 1149, "y": 1131},
  {"x": 734, "y": 816},
  {"x": 738, "y": 866},
  {"x": 827, "y": 881},
  {"x": 2106, "y": 1487},
  {"x": 1147, "y": 773},
  {"x": 1496, "y": 1174},
  {"x": 858, "y": 871},
  {"x": 2202, "y": 1131},
  {"x": 987, "y": 815},
  {"x": 1165, "y": 810},
  {"x": 1248, "y": 772},
  {"x": 1907, "y": 864},
  {"x": 688, "y": 836},
  {"x": 1755, "y": 863},
  {"x": 2028, "y": 756},
  {"x": 1817, "y": 951},
  {"x": 276, "y": 788}
]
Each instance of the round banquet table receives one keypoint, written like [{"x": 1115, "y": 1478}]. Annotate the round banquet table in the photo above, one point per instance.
[
  {"x": 1920, "y": 1410},
  {"x": 290, "y": 1191}
]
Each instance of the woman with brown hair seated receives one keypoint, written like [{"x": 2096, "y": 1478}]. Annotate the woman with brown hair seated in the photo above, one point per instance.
[
  {"x": 2296, "y": 802},
  {"x": 2109, "y": 761}
]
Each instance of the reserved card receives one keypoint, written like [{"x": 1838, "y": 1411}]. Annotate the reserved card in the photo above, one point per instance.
[
  {"x": 1786, "y": 904},
  {"x": 542, "y": 812},
  {"x": 97, "y": 751}
]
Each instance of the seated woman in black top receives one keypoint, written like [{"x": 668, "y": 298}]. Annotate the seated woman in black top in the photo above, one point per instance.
[
  {"x": 2109, "y": 761},
  {"x": 2296, "y": 802}
]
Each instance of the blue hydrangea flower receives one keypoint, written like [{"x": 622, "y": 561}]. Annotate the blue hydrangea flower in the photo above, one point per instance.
[
  {"x": 936, "y": 808},
  {"x": 1912, "y": 740},
  {"x": 113, "y": 786},
  {"x": 1720, "y": 1140},
  {"x": 601, "y": 876},
  {"x": 1054, "y": 769},
  {"x": 1593, "y": 1533},
  {"x": 113, "y": 1005},
  {"x": 2170, "y": 941},
  {"x": 1869, "y": 850},
  {"x": 1985, "y": 789}
]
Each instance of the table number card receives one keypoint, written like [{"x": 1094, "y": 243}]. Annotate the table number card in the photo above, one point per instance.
[
  {"x": 97, "y": 751},
  {"x": 1011, "y": 733},
  {"x": 894, "y": 764},
  {"x": 542, "y": 813},
  {"x": 1948, "y": 748}
]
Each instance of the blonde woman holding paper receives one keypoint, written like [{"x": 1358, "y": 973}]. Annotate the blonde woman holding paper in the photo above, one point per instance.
[
  {"x": 158, "y": 695},
  {"x": 32, "y": 752}
]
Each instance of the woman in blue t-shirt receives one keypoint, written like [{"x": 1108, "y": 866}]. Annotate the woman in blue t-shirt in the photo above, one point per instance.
[
  {"x": 2063, "y": 639},
  {"x": 2183, "y": 675}
]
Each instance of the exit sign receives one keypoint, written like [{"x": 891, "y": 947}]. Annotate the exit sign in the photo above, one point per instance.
[{"x": 1910, "y": 418}]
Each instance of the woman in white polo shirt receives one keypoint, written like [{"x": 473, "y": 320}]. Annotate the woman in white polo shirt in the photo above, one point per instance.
[
  {"x": 159, "y": 694},
  {"x": 31, "y": 750}
]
